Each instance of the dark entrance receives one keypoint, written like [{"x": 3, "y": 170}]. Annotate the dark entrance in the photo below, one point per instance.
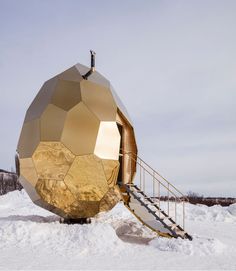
[{"x": 120, "y": 177}]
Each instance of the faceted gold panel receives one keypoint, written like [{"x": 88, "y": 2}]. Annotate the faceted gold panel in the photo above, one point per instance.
[
  {"x": 80, "y": 130},
  {"x": 66, "y": 94},
  {"x": 108, "y": 141},
  {"x": 83, "y": 209},
  {"x": 112, "y": 197},
  {"x": 111, "y": 170},
  {"x": 52, "y": 160},
  {"x": 90, "y": 184},
  {"x": 28, "y": 171},
  {"x": 70, "y": 74},
  {"x": 29, "y": 188},
  {"x": 42, "y": 100},
  {"x": 29, "y": 138},
  {"x": 52, "y": 123},
  {"x": 99, "y": 100},
  {"x": 120, "y": 105},
  {"x": 55, "y": 193}
]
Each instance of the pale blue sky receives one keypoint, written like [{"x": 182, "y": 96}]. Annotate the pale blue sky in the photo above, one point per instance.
[{"x": 173, "y": 63}]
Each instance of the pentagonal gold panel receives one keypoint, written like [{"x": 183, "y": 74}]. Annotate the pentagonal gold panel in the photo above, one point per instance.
[
  {"x": 28, "y": 171},
  {"x": 42, "y": 100},
  {"x": 52, "y": 161},
  {"x": 29, "y": 138},
  {"x": 108, "y": 141},
  {"x": 99, "y": 100},
  {"x": 52, "y": 123},
  {"x": 66, "y": 94},
  {"x": 91, "y": 183},
  {"x": 80, "y": 130}
]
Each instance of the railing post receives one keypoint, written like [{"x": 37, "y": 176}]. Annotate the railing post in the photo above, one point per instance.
[
  {"x": 159, "y": 198},
  {"x": 183, "y": 214},
  {"x": 153, "y": 187},
  {"x": 168, "y": 199},
  {"x": 176, "y": 210},
  {"x": 144, "y": 180},
  {"x": 140, "y": 177}
]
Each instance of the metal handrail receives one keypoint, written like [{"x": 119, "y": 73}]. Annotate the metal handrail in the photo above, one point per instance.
[
  {"x": 171, "y": 189},
  {"x": 154, "y": 171}
]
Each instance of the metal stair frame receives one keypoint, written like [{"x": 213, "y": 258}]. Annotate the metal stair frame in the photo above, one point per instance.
[{"x": 174, "y": 228}]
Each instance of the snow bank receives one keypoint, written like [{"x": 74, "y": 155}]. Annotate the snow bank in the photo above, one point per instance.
[
  {"x": 114, "y": 240},
  {"x": 199, "y": 246},
  {"x": 216, "y": 213},
  {"x": 60, "y": 238},
  {"x": 232, "y": 209}
]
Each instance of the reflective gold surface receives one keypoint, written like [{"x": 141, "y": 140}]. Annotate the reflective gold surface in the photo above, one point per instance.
[
  {"x": 99, "y": 100},
  {"x": 111, "y": 169},
  {"x": 90, "y": 184},
  {"x": 52, "y": 160},
  {"x": 80, "y": 130},
  {"x": 29, "y": 138},
  {"x": 28, "y": 171},
  {"x": 108, "y": 141},
  {"x": 70, "y": 143},
  {"x": 52, "y": 123},
  {"x": 66, "y": 95}
]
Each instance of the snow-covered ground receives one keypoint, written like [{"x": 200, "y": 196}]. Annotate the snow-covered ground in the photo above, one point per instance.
[{"x": 32, "y": 238}]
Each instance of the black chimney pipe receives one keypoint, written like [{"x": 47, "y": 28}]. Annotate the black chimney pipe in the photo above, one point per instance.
[{"x": 92, "y": 69}]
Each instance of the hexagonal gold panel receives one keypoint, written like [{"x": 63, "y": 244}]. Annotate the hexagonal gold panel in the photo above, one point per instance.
[
  {"x": 91, "y": 184},
  {"x": 52, "y": 160},
  {"x": 52, "y": 123},
  {"x": 80, "y": 130},
  {"x": 70, "y": 142},
  {"x": 55, "y": 193},
  {"x": 99, "y": 100}
]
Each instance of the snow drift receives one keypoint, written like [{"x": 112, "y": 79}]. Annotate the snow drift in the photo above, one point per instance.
[{"x": 114, "y": 240}]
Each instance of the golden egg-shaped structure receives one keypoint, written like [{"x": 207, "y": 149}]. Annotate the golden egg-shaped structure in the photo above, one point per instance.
[{"x": 72, "y": 143}]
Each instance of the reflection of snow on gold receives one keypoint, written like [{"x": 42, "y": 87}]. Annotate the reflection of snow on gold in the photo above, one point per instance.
[{"x": 52, "y": 160}]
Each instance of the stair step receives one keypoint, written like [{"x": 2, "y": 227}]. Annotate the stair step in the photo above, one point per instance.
[
  {"x": 163, "y": 217},
  {"x": 173, "y": 226}
]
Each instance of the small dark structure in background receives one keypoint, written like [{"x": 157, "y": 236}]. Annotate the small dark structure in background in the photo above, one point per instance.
[
  {"x": 209, "y": 201},
  {"x": 8, "y": 182}
]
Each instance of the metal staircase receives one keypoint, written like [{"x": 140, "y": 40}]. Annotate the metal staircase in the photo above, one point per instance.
[{"x": 155, "y": 201}]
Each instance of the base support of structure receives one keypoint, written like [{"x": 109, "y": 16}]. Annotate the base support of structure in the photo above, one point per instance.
[{"x": 75, "y": 220}]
